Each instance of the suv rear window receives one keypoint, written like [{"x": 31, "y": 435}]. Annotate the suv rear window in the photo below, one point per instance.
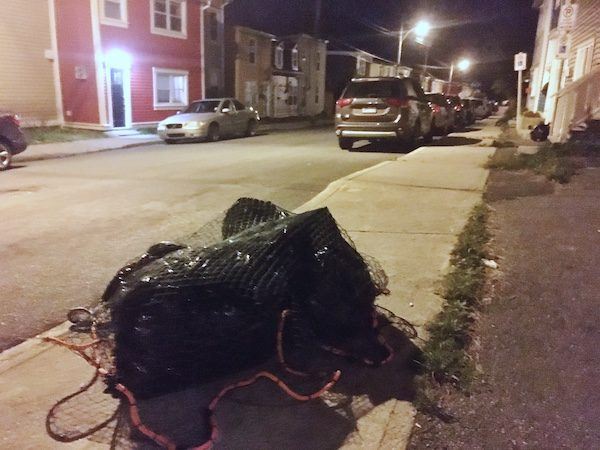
[
  {"x": 437, "y": 99},
  {"x": 375, "y": 89}
]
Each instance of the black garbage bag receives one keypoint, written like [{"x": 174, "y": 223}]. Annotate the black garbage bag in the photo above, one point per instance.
[
  {"x": 185, "y": 314},
  {"x": 540, "y": 132}
]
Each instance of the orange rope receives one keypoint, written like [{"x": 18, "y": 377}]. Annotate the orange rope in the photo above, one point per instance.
[
  {"x": 300, "y": 397},
  {"x": 134, "y": 415},
  {"x": 79, "y": 349},
  {"x": 280, "y": 355}
]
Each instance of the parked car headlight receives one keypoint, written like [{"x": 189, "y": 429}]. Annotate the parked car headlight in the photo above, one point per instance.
[{"x": 194, "y": 125}]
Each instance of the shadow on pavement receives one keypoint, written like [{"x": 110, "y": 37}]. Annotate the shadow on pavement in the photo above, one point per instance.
[
  {"x": 260, "y": 416},
  {"x": 450, "y": 141},
  {"x": 383, "y": 147}
]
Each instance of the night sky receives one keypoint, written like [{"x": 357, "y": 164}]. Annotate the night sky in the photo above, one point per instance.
[{"x": 489, "y": 32}]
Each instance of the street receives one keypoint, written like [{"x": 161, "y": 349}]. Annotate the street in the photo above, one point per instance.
[{"x": 69, "y": 224}]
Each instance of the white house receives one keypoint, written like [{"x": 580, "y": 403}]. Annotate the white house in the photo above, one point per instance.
[{"x": 565, "y": 71}]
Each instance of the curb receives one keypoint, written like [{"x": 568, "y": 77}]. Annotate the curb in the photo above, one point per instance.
[
  {"x": 30, "y": 348},
  {"x": 19, "y": 158}
]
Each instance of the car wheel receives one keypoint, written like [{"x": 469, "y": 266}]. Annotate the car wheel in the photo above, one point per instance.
[
  {"x": 5, "y": 157},
  {"x": 169, "y": 141},
  {"x": 346, "y": 143},
  {"x": 251, "y": 128},
  {"x": 214, "y": 132}
]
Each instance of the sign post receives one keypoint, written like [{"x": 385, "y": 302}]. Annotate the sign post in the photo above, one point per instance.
[{"x": 520, "y": 65}]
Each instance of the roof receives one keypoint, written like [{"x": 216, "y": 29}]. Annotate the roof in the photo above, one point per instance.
[{"x": 254, "y": 32}]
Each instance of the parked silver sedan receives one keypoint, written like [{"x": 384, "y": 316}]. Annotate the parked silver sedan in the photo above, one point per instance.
[{"x": 210, "y": 119}]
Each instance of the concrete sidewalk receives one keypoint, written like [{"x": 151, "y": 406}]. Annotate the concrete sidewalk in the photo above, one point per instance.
[
  {"x": 39, "y": 152},
  {"x": 407, "y": 213}
]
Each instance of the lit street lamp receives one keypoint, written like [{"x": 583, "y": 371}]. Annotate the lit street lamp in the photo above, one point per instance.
[
  {"x": 421, "y": 30},
  {"x": 463, "y": 65}
]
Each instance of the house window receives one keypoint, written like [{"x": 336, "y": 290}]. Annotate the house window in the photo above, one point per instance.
[
  {"x": 113, "y": 12},
  {"x": 295, "y": 59},
  {"x": 583, "y": 60},
  {"x": 170, "y": 88},
  {"x": 318, "y": 58},
  {"x": 317, "y": 97},
  {"x": 279, "y": 56},
  {"x": 213, "y": 26},
  {"x": 169, "y": 18},
  {"x": 252, "y": 51}
]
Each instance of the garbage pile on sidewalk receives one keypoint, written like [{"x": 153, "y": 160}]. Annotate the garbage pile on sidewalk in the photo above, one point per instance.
[{"x": 258, "y": 283}]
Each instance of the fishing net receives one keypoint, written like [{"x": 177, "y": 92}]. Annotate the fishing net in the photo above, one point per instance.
[{"x": 259, "y": 281}]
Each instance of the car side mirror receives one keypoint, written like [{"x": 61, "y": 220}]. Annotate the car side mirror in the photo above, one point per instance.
[{"x": 226, "y": 110}]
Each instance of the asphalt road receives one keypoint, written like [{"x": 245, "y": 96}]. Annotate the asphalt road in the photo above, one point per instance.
[{"x": 69, "y": 224}]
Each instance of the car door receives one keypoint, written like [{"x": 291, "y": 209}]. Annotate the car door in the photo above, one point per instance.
[
  {"x": 227, "y": 117},
  {"x": 241, "y": 117}
]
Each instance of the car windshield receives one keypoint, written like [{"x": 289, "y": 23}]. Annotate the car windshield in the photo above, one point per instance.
[
  {"x": 375, "y": 89},
  {"x": 206, "y": 106}
]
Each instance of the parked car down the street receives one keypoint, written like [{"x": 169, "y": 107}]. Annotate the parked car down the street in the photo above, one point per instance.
[
  {"x": 460, "y": 113},
  {"x": 210, "y": 119},
  {"x": 443, "y": 114},
  {"x": 12, "y": 139},
  {"x": 382, "y": 108}
]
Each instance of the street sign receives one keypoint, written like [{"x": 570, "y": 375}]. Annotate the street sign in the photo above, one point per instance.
[
  {"x": 520, "y": 61},
  {"x": 563, "y": 46},
  {"x": 568, "y": 14}
]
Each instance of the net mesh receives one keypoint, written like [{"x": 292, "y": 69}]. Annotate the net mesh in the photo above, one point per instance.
[{"x": 209, "y": 306}]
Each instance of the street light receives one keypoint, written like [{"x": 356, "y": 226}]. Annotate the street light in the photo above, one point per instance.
[
  {"x": 462, "y": 65},
  {"x": 421, "y": 30}
]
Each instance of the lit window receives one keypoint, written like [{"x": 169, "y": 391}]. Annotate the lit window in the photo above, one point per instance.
[
  {"x": 252, "y": 51},
  {"x": 113, "y": 12},
  {"x": 170, "y": 88},
  {"x": 295, "y": 59},
  {"x": 279, "y": 56},
  {"x": 169, "y": 18}
]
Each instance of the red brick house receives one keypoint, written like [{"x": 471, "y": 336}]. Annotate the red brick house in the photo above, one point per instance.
[{"x": 125, "y": 63}]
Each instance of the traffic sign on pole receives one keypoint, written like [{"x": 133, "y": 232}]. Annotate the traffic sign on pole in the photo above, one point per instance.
[{"x": 520, "y": 66}]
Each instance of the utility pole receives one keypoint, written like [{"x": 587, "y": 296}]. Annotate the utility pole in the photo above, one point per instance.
[
  {"x": 450, "y": 78},
  {"x": 400, "y": 41}
]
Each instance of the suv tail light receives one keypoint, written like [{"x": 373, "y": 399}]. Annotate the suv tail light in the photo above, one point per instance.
[
  {"x": 399, "y": 102},
  {"x": 343, "y": 102},
  {"x": 435, "y": 108}
]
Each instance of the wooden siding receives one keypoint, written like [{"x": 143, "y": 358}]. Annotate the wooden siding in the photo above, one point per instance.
[
  {"x": 149, "y": 50},
  {"x": 587, "y": 27},
  {"x": 76, "y": 49},
  {"x": 26, "y": 75}
]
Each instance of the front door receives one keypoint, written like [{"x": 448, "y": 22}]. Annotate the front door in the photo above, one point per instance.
[{"x": 118, "y": 97}]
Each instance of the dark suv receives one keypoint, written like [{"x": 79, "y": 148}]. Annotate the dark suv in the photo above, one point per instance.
[
  {"x": 382, "y": 108},
  {"x": 12, "y": 140}
]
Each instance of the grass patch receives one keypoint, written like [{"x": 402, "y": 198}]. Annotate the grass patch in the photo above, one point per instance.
[
  {"x": 444, "y": 359},
  {"x": 47, "y": 135},
  {"x": 551, "y": 160},
  {"x": 147, "y": 130}
]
